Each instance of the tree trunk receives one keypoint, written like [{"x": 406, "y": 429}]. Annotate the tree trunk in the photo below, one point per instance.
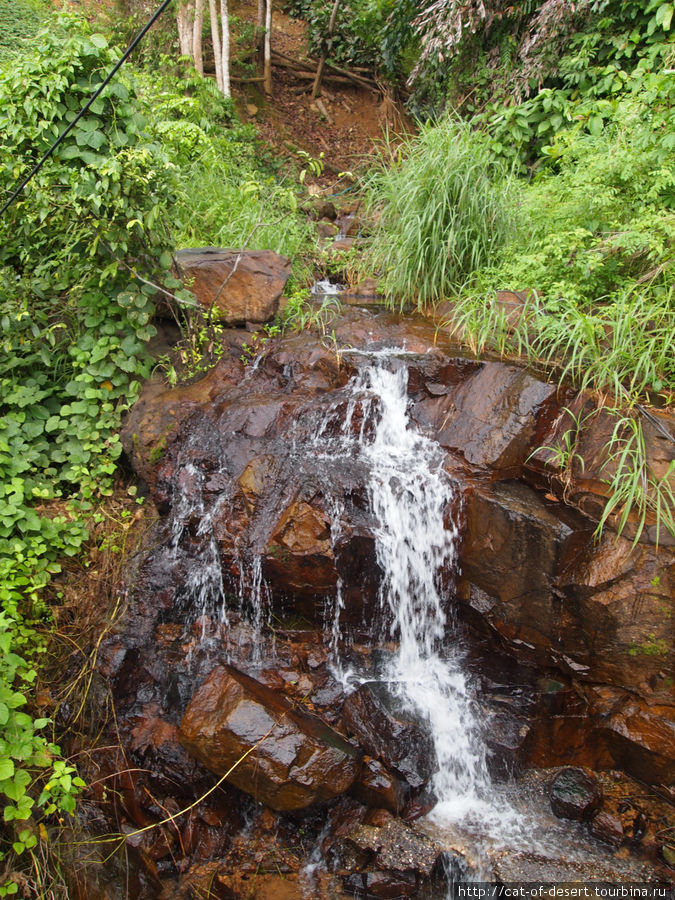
[
  {"x": 267, "y": 68},
  {"x": 184, "y": 20},
  {"x": 197, "y": 36},
  {"x": 225, "y": 47},
  {"x": 316, "y": 90},
  {"x": 215, "y": 37},
  {"x": 260, "y": 27}
]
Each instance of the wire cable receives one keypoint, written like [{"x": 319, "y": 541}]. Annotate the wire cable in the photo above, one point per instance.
[{"x": 118, "y": 65}]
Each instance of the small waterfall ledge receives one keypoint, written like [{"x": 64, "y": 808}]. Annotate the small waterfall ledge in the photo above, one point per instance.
[{"x": 357, "y": 572}]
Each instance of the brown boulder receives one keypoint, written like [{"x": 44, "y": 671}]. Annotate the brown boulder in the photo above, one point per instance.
[
  {"x": 390, "y": 735},
  {"x": 491, "y": 418},
  {"x": 608, "y": 829},
  {"x": 395, "y": 854},
  {"x": 575, "y": 794},
  {"x": 514, "y": 546},
  {"x": 378, "y": 788},
  {"x": 239, "y": 285},
  {"x": 297, "y": 760},
  {"x": 640, "y": 736}
]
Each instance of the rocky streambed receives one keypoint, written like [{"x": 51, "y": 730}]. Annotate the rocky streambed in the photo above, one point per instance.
[{"x": 255, "y": 664}]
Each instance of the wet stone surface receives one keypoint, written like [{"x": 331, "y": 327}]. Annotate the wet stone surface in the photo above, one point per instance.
[
  {"x": 575, "y": 794},
  {"x": 258, "y": 547}
]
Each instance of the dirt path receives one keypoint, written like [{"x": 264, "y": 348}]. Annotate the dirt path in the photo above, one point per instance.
[{"x": 349, "y": 131}]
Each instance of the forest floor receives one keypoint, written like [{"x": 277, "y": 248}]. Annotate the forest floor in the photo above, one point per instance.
[{"x": 348, "y": 131}]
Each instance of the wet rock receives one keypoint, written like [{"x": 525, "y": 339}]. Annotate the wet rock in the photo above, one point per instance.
[
  {"x": 381, "y": 884},
  {"x": 399, "y": 853},
  {"x": 153, "y": 424},
  {"x": 512, "y": 588},
  {"x": 506, "y": 734},
  {"x": 298, "y": 761},
  {"x": 640, "y": 736},
  {"x": 377, "y": 787},
  {"x": 575, "y": 794},
  {"x": 389, "y": 734},
  {"x": 512, "y": 305},
  {"x": 608, "y": 829},
  {"x": 586, "y": 485},
  {"x": 419, "y": 805},
  {"x": 491, "y": 418},
  {"x": 327, "y": 229},
  {"x": 321, "y": 209},
  {"x": 239, "y": 285},
  {"x": 619, "y": 594},
  {"x": 218, "y": 457}
]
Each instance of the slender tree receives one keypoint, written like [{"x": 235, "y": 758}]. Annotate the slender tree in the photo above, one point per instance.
[
  {"x": 184, "y": 19},
  {"x": 260, "y": 26},
  {"x": 197, "y": 36},
  {"x": 215, "y": 37},
  {"x": 267, "y": 59},
  {"x": 225, "y": 47}
]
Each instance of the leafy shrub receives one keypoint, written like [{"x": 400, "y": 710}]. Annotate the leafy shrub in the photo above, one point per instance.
[
  {"x": 601, "y": 213},
  {"x": 79, "y": 253},
  {"x": 373, "y": 33},
  {"x": 442, "y": 209}
]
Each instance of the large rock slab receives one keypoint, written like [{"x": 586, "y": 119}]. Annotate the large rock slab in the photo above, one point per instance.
[
  {"x": 239, "y": 286},
  {"x": 236, "y": 469},
  {"x": 491, "y": 418},
  {"x": 572, "y": 460},
  {"x": 285, "y": 759}
]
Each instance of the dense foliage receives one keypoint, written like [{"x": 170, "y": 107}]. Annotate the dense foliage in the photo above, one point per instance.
[
  {"x": 157, "y": 162},
  {"x": 591, "y": 248},
  {"x": 19, "y": 22},
  {"x": 74, "y": 322},
  {"x": 378, "y": 34}
]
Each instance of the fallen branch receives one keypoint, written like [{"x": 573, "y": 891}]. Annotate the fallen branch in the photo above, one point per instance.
[{"x": 309, "y": 65}]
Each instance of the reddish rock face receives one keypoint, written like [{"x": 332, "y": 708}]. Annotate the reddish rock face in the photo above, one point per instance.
[
  {"x": 532, "y": 578},
  {"x": 285, "y": 759},
  {"x": 238, "y": 285}
]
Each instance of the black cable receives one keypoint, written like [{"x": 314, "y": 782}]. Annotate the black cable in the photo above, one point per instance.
[{"x": 127, "y": 53}]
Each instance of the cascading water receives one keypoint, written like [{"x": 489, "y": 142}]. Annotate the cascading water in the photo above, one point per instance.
[
  {"x": 367, "y": 463},
  {"x": 411, "y": 497}
]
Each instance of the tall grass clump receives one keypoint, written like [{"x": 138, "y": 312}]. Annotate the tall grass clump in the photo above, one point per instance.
[{"x": 442, "y": 207}]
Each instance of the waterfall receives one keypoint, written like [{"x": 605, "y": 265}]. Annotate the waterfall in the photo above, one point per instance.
[{"x": 412, "y": 499}]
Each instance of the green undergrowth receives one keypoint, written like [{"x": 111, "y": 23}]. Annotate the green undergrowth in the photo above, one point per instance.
[
  {"x": 19, "y": 22},
  {"x": 75, "y": 319},
  {"x": 588, "y": 243},
  {"x": 86, "y": 252},
  {"x": 230, "y": 192}
]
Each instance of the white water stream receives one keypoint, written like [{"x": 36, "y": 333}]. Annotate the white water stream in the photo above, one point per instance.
[{"x": 415, "y": 506}]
